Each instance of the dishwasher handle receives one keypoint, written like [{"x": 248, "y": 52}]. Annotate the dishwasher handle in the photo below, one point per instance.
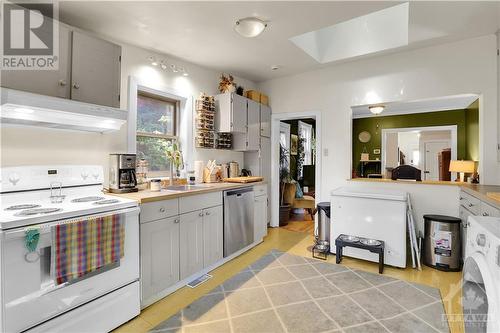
[{"x": 238, "y": 192}]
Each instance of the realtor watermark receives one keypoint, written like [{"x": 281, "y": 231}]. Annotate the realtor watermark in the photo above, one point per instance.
[{"x": 30, "y": 35}]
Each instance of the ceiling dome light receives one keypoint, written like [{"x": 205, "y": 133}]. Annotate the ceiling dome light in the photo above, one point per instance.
[
  {"x": 376, "y": 109},
  {"x": 250, "y": 27}
]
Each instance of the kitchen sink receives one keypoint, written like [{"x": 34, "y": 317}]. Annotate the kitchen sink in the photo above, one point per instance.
[{"x": 185, "y": 187}]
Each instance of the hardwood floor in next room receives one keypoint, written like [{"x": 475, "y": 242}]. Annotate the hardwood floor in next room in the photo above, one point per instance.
[{"x": 297, "y": 243}]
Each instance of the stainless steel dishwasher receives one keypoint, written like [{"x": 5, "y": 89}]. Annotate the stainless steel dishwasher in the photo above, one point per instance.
[{"x": 238, "y": 219}]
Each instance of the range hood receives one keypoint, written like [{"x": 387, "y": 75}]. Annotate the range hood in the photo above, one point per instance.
[{"x": 24, "y": 108}]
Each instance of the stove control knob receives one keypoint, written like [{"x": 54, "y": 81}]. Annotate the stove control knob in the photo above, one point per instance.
[
  {"x": 481, "y": 240},
  {"x": 95, "y": 175},
  {"x": 84, "y": 175},
  {"x": 14, "y": 178}
]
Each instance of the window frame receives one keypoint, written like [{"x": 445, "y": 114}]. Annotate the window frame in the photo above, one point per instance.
[{"x": 166, "y": 137}]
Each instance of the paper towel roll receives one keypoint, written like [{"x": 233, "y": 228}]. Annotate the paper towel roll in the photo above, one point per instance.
[{"x": 198, "y": 171}]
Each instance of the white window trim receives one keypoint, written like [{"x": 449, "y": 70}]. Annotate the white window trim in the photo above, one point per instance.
[{"x": 184, "y": 119}]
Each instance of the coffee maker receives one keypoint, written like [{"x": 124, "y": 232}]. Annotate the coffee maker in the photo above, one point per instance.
[{"x": 122, "y": 176}]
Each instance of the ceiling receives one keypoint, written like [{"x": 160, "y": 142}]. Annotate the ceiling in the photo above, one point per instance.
[
  {"x": 445, "y": 103},
  {"x": 202, "y": 32}
]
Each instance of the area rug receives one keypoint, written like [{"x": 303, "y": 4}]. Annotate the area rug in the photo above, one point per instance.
[{"x": 281, "y": 292}]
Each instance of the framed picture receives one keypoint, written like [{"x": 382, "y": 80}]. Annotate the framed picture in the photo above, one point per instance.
[{"x": 294, "y": 143}]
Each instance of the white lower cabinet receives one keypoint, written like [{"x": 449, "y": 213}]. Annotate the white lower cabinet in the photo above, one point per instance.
[
  {"x": 260, "y": 217},
  {"x": 191, "y": 243},
  {"x": 213, "y": 232},
  {"x": 159, "y": 256}
]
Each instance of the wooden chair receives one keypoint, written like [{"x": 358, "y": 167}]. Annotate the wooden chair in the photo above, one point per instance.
[{"x": 307, "y": 202}]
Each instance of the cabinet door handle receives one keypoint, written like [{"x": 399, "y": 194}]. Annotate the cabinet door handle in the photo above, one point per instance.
[
  {"x": 200, "y": 214},
  {"x": 207, "y": 213},
  {"x": 76, "y": 85},
  {"x": 62, "y": 83},
  {"x": 470, "y": 205},
  {"x": 177, "y": 221},
  {"x": 485, "y": 214},
  {"x": 162, "y": 210}
]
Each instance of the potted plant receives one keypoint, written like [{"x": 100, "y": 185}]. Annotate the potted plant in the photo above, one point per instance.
[{"x": 284, "y": 179}]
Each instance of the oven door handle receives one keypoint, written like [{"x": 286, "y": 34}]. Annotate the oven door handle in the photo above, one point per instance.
[{"x": 47, "y": 227}]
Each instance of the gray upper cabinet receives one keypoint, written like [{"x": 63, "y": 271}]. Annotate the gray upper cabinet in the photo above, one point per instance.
[
  {"x": 95, "y": 71},
  {"x": 231, "y": 113},
  {"x": 253, "y": 123},
  {"x": 265, "y": 121},
  {"x": 45, "y": 82},
  {"x": 89, "y": 71}
]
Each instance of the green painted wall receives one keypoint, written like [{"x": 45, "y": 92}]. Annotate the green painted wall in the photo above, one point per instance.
[
  {"x": 472, "y": 132},
  {"x": 465, "y": 146}
]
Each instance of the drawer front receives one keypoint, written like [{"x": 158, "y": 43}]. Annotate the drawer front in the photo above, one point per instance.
[
  {"x": 200, "y": 201},
  {"x": 470, "y": 202},
  {"x": 152, "y": 211},
  {"x": 487, "y": 210},
  {"x": 260, "y": 190}
]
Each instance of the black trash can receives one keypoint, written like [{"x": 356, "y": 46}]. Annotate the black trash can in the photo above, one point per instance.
[{"x": 442, "y": 242}]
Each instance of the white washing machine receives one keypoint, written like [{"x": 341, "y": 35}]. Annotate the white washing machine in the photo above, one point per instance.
[{"x": 481, "y": 275}]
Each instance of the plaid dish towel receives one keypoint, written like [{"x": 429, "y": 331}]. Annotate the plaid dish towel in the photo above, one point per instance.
[{"x": 84, "y": 246}]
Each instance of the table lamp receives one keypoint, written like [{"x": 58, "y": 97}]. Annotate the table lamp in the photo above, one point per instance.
[{"x": 462, "y": 167}]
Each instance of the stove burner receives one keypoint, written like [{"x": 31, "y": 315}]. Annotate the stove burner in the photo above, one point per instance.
[
  {"x": 107, "y": 201},
  {"x": 36, "y": 211},
  {"x": 25, "y": 206},
  {"x": 87, "y": 199}
]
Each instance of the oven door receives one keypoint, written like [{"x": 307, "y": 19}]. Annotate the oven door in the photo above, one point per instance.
[
  {"x": 30, "y": 292},
  {"x": 479, "y": 296}
]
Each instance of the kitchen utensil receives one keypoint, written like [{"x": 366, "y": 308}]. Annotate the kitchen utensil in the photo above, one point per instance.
[{"x": 234, "y": 169}]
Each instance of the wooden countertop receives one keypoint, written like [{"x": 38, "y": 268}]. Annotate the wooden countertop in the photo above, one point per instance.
[
  {"x": 423, "y": 182},
  {"x": 481, "y": 192},
  {"x": 151, "y": 196},
  {"x": 477, "y": 190}
]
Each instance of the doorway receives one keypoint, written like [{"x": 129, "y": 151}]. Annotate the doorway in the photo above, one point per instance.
[{"x": 295, "y": 143}]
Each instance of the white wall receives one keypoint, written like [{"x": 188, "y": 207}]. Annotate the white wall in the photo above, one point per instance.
[
  {"x": 463, "y": 67},
  {"x": 34, "y": 146}
]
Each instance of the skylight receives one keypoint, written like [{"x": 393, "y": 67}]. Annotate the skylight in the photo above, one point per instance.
[{"x": 375, "y": 32}]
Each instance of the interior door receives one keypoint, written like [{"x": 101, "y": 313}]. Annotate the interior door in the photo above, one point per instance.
[
  {"x": 431, "y": 164},
  {"x": 253, "y": 132},
  {"x": 265, "y": 120},
  {"x": 159, "y": 256},
  {"x": 285, "y": 140},
  {"x": 191, "y": 243},
  {"x": 47, "y": 82},
  {"x": 95, "y": 71},
  {"x": 213, "y": 230},
  {"x": 238, "y": 114}
]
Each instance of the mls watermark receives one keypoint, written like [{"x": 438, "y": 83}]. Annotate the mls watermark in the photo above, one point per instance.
[{"x": 30, "y": 35}]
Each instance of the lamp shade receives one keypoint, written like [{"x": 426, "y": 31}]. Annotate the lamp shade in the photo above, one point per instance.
[{"x": 462, "y": 166}]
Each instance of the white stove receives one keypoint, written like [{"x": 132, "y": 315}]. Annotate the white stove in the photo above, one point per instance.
[{"x": 42, "y": 198}]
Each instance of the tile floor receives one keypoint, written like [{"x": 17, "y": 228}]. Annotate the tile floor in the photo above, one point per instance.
[
  {"x": 299, "y": 244},
  {"x": 305, "y": 300}
]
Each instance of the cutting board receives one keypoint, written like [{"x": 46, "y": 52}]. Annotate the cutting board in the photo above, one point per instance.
[
  {"x": 493, "y": 195},
  {"x": 251, "y": 179}
]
